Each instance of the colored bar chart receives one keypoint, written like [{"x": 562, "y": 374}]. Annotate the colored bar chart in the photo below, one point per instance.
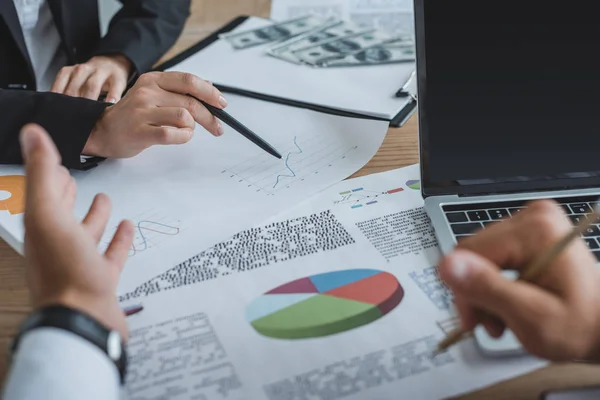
[{"x": 361, "y": 197}]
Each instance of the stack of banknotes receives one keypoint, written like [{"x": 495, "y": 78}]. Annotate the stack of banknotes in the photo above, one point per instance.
[{"x": 326, "y": 42}]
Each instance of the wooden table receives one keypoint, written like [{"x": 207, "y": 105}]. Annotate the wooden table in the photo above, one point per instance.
[{"x": 399, "y": 149}]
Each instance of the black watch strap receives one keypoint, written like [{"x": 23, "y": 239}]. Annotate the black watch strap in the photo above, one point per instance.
[{"x": 80, "y": 324}]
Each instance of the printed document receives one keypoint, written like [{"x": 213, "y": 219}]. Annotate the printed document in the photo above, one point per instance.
[
  {"x": 183, "y": 199},
  {"x": 337, "y": 299}
]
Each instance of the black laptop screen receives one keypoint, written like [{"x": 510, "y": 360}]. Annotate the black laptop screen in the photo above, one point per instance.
[{"x": 509, "y": 91}]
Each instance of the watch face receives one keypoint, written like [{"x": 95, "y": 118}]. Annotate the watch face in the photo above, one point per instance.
[{"x": 113, "y": 346}]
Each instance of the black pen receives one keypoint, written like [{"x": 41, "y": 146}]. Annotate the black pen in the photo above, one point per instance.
[
  {"x": 132, "y": 310},
  {"x": 405, "y": 92},
  {"x": 238, "y": 126}
]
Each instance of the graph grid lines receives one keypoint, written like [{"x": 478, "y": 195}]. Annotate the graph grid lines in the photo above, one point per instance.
[{"x": 305, "y": 157}]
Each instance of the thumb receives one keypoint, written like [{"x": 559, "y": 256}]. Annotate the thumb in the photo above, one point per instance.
[
  {"x": 479, "y": 282},
  {"x": 41, "y": 159}
]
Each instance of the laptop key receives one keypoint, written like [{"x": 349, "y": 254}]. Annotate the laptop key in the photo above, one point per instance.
[
  {"x": 498, "y": 213},
  {"x": 457, "y": 217},
  {"x": 580, "y": 208},
  {"x": 592, "y": 231},
  {"x": 592, "y": 243},
  {"x": 576, "y": 218},
  {"x": 566, "y": 209},
  {"x": 515, "y": 211},
  {"x": 486, "y": 224},
  {"x": 465, "y": 229},
  {"x": 462, "y": 237},
  {"x": 480, "y": 215},
  {"x": 597, "y": 254}
]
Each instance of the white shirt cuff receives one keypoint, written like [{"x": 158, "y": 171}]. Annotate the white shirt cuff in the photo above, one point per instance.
[{"x": 54, "y": 364}]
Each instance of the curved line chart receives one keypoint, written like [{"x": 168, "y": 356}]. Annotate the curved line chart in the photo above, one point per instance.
[
  {"x": 304, "y": 158},
  {"x": 287, "y": 165},
  {"x": 145, "y": 226}
]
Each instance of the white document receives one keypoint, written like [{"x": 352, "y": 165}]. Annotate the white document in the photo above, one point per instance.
[
  {"x": 365, "y": 90},
  {"x": 255, "y": 318},
  {"x": 393, "y": 16},
  {"x": 182, "y": 199}
]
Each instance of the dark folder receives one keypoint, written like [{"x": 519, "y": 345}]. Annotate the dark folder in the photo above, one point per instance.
[{"x": 397, "y": 121}]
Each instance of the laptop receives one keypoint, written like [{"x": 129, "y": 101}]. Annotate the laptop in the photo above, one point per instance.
[{"x": 509, "y": 111}]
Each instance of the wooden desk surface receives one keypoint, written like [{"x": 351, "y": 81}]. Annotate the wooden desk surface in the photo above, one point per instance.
[{"x": 399, "y": 150}]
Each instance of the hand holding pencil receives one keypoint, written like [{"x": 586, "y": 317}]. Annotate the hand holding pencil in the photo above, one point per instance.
[{"x": 555, "y": 312}]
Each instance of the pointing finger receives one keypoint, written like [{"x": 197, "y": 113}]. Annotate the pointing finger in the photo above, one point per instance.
[
  {"x": 97, "y": 217},
  {"x": 42, "y": 160},
  {"x": 70, "y": 193},
  {"x": 118, "y": 249}
]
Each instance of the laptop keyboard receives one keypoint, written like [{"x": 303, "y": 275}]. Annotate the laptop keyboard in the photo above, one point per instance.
[{"x": 466, "y": 219}]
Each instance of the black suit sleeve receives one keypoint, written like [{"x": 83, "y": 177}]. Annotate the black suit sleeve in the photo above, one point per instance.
[
  {"x": 68, "y": 120},
  {"x": 143, "y": 30}
]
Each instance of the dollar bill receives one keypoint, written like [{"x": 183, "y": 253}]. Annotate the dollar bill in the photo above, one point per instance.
[
  {"x": 333, "y": 49},
  {"x": 333, "y": 28},
  {"x": 272, "y": 33},
  {"x": 376, "y": 55}
]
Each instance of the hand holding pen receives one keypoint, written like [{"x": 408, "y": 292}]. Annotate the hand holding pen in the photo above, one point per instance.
[
  {"x": 155, "y": 111},
  {"x": 554, "y": 311}
]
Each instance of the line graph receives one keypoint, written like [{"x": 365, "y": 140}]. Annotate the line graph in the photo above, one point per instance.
[
  {"x": 152, "y": 227},
  {"x": 307, "y": 156},
  {"x": 287, "y": 164}
]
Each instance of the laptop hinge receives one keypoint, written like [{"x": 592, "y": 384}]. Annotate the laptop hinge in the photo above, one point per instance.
[{"x": 509, "y": 192}]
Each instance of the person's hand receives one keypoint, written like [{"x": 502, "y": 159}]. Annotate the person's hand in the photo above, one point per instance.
[
  {"x": 101, "y": 74},
  {"x": 557, "y": 317},
  {"x": 155, "y": 111},
  {"x": 63, "y": 264}
]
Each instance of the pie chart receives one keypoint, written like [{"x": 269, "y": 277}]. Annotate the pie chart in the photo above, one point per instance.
[
  {"x": 15, "y": 186},
  {"x": 325, "y": 304},
  {"x": 414, "y": 184}
]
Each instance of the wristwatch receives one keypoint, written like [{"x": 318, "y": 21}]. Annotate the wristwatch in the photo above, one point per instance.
[{"x": 108, "y": 341}]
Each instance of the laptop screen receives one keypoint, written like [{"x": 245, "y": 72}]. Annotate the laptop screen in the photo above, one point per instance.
[{"x": 509, "y": 95}]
